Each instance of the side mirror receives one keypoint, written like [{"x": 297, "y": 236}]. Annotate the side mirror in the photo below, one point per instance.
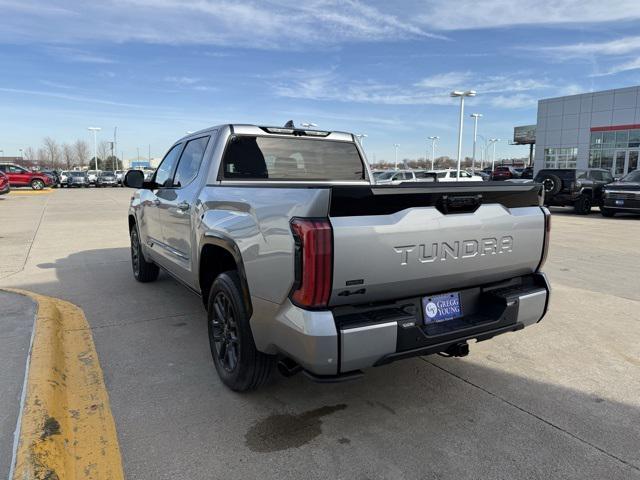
[{"x": 134, "y": 179}]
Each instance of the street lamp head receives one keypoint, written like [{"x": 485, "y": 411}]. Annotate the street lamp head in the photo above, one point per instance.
[
  {"x": 460, "y": 93},
  {"x": 475, "y": 115},
  {"x": 308, "y": 124},
  {"x": 94, "y": 129}
]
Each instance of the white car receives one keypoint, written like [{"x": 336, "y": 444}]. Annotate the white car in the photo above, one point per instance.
[
  {"x": 396, "y": 177},
  {"x": 451, "y": 175},
  {"x": 92, "y": 176}
]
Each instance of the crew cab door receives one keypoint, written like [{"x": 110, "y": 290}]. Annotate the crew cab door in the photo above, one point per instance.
[
  {"x": 149, "y": 221},
  {"x": 176, "y": 207}
]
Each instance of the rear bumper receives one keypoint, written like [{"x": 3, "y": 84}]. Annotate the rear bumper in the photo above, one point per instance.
[{"x": 347, "y": 339}]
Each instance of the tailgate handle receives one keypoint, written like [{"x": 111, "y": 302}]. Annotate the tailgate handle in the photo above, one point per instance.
[{"x": 460, "y": 203}]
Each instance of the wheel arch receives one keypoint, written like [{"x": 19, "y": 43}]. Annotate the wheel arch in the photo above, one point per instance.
[{"x": 219, "y": 253}]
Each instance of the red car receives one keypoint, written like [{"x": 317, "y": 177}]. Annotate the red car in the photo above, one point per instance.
[
  {"x": 4, "y": 184},
  {"x": 504, "y": 173},
  {"x": 21, "y": 177}
]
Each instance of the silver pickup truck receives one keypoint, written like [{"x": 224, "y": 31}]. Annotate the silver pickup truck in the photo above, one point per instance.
[{"x": 303, "y": 262}]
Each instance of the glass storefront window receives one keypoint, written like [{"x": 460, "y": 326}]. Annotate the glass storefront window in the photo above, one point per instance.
[
  {"x": 606, "y": 160},
  {"x": 560, "y": 157},
  {"x": 608, "y": 139},
  {"x": 622, "y": 138},
  {"x": 634, "y": 138},
  {"x": 594, "y": 159},
  {"x": 596, "y": 139}
]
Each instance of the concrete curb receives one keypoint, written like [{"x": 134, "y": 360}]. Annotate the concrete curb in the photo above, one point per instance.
[{"x": 66, "y": 430}]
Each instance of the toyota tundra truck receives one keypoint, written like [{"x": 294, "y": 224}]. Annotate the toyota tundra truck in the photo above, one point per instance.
[{"x": 304, "y": 264}]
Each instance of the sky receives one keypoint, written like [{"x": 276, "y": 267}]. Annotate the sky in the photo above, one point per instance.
[{"x": 159, "y": 68}]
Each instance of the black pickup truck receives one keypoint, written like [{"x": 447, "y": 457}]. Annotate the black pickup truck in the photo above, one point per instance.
[{"x": 581, "y": 189}]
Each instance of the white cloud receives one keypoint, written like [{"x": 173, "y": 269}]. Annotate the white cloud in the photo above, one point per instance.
[
  {"x": 471, "y": 14},
  {"x": 182, "y": 80},
  {"x": 519, "y": 100},
  {"x": 434, "y": 90},
  {"x": 620, "y": 46},
  {"x": 621, "y": 67},
  {"x": 271, "y": 24},
  {"x": 76, "y": 55},
  {"x": 64, "y": 96}
]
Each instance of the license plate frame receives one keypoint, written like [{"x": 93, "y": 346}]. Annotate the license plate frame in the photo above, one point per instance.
[{"x": 441, "y": 308}]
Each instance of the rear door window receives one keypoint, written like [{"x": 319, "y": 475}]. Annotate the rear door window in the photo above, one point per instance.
[
  {"x": 190, "y": 161},
  {"x": 251, "y": 157}
]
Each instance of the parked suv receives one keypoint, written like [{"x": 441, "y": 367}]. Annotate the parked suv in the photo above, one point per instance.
[
  {"x": 303, "y": 262},
  {"x": 21, "y": 177},
  {"x": 622, "y": 196},
  {"x": 581, "y": 189}
]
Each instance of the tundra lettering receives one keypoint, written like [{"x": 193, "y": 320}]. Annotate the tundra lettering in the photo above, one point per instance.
[{"x": 466, "y": 249}]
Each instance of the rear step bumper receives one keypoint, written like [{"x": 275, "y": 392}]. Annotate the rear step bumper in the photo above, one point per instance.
[{"x": 349, "y": 339}]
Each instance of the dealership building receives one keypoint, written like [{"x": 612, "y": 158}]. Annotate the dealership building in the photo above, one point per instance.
[{"x": 600, "y": 129}]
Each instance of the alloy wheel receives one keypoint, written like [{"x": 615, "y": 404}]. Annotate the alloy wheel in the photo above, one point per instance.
[{"x": 224, "y": 330}]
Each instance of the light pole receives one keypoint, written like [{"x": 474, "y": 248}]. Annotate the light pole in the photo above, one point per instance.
[
  {"x": 433, "y": 150},
  {"x": 21, "y": 153},
  {"x": 95, "y": 131},
  {"x": 461, "y": 94},
  {"x": 475, "y": 117},
  {"x": 308, "y": 124},
  {"x": 396, "y": 145},
  {"x": 493, "y": 158}
]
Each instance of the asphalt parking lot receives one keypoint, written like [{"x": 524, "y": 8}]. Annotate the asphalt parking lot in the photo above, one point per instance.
[{"x": 558, "y": 400}]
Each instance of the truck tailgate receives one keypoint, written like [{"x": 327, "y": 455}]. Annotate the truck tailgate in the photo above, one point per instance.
[{"x": 395, "y": 242}]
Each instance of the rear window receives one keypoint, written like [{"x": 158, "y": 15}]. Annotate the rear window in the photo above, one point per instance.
[{"x": 276, "y": 158}]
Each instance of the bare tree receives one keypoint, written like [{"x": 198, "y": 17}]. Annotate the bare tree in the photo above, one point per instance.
[
  {"x": 68, "y": 155},
  {"x": 29, "y": 154},
  {"x": 41, "y": 155},
  {"x": 52, "y": 152},
  {"x": 104, "y": 151},
  {"x": 81, "y": 152}
]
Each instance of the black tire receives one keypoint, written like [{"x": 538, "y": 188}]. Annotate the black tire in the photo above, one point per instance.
[
  {"x": 37, "y": 184},
  {"x": 143, "y": 271},
  {"x": 606, "y": 212},
  {"x": 239, "y": 364},
  {"x": 552, "y": 184},
  {"x": 582, "y": 205}
]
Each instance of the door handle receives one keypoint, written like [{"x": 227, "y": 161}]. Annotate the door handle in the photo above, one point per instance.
[{"x": 183, "y": 206}]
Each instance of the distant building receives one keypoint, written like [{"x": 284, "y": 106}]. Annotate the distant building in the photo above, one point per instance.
[{"x": 600, "y": 130}]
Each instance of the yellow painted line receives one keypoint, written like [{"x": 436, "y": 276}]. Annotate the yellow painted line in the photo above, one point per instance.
[
  {"x": 66, "y": 430},
  {"x": 31, "y": 192}
]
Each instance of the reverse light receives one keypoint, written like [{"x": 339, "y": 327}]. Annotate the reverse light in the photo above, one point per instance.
[{"x": 313, "y": 259}]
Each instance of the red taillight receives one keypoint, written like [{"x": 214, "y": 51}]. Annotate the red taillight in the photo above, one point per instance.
[
  {"x": 547, "y": 235},
  {"x": 313, "y": 258}
]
